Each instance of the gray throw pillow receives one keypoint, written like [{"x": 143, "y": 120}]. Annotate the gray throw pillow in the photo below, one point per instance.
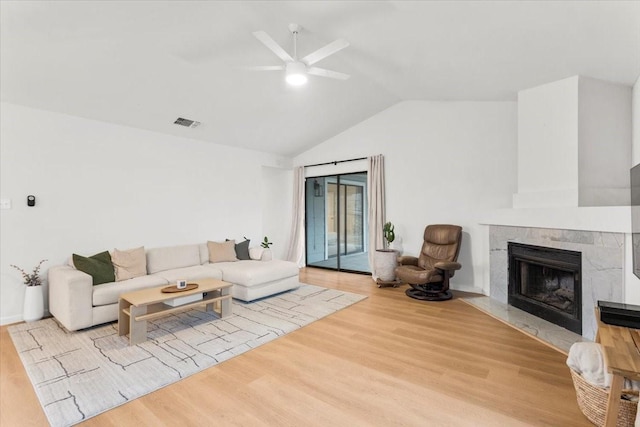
[{"x": 242, "y": 250}]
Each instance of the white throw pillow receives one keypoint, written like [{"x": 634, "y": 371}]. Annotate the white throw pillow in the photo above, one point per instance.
[{"x": 256, "y": 252}]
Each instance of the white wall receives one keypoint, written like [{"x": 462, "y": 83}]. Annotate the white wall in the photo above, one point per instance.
[
  {"x": 548, "y": 145},
  {"x": 445, "y": 162},
  {"x": 635, "y": 123},
  {"x": 632, "y": 283},
  {"x": 277, "y": 199},
  {"x": 604, "y": 138},
  {"x": 100, "y": 186}
]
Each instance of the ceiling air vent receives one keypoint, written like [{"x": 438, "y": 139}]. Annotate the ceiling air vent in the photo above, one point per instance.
[{"x": 186, "y": 123}]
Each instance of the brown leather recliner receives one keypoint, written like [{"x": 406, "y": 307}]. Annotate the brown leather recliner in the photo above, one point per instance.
[{"x": 429, "y": 273}]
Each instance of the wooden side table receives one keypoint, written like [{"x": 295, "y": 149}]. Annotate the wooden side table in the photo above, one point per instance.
[{"x": 621, "y": 348}]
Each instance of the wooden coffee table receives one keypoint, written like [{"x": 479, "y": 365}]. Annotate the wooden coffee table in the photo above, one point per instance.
[{"x": 146, "y": 304}]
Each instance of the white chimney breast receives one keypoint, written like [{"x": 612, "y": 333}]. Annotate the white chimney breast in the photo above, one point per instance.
[
  {"x": 548, "y": 145},
  {"x": 604, "y": 137},
  {"x": 574, "y": 144}
]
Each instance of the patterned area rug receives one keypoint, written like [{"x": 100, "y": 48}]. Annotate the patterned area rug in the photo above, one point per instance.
[{"x": 78, "y": 375}]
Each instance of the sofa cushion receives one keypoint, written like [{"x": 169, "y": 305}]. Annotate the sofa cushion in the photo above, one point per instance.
[
  {"x": 190, "y": 273},
  {"x": 222, "y": 251},
  {"x": 129, "y": 264},
  {"x": 251, "y": 273},
  {"x": 98, "y": 266},
  {"x": 160, "y": 259},
  {"x": 109, "y": 293}
]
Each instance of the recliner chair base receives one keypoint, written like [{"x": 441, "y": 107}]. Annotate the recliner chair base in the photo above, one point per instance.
[{"x": 423, "y": 295}]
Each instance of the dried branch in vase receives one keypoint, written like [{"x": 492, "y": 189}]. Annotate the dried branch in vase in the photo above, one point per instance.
[{"x": 32, "y": 279}]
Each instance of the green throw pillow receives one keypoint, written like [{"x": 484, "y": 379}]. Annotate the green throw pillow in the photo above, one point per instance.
[{"x": 98, "y": 266}]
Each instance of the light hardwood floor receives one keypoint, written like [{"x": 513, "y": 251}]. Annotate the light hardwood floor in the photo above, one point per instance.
[{"x": 386, "y": 361}]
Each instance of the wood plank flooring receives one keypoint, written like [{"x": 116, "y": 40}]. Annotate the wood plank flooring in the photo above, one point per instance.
[{"x": 386, "y": 361}]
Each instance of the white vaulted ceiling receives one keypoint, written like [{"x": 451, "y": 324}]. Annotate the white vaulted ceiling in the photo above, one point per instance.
[{"x": 143, "y": 64}]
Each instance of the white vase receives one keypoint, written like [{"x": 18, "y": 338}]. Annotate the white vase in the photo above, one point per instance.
[
  {"x": 385, "y": 262},
  {"x": 33, "y": 304},
  {"x": 267, "y": 255}
]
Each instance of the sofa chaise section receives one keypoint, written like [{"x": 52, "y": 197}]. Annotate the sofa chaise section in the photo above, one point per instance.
[{"x": 258, "y": 279}]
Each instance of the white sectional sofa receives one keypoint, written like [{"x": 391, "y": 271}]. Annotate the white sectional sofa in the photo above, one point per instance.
[{"x": 77, "y": 304}]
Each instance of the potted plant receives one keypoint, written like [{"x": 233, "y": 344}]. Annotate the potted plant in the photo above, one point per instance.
[
  {"x": 393, "y": 242},
  {"x": 388, "y": 233},
  {"x": 33, "y": 298},
  {"x": 385, "y": 259},
  {"x": 266, "y": 254}
]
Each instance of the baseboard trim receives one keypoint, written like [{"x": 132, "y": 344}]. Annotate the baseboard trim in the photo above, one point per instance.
[
  {"x": 470, "y": 289},
  {"x": 7, "y": 320}
]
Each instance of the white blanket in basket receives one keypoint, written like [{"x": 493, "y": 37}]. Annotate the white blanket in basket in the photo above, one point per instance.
[{"x": 586, "y": 359}]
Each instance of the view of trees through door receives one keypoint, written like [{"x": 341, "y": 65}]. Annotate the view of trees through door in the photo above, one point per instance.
[{"x": 336, "y": 222}]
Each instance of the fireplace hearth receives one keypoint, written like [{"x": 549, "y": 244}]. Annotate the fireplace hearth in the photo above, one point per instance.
[{"x": 546, "y": 282}]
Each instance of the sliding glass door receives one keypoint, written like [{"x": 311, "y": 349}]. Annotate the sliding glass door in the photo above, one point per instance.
[{"x": 336, "y": 222}]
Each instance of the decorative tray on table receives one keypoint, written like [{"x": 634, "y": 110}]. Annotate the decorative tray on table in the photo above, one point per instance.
[{"x": 174, "y": 288}]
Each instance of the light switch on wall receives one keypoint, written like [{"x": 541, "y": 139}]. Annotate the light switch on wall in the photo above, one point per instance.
[{"x": 5, "y": 203}]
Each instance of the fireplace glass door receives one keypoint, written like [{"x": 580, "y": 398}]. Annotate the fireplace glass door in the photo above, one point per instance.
[{"x": 551, "y": 286}]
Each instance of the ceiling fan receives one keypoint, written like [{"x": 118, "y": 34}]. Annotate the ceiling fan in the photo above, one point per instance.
[{"x": 296, "y": 69}]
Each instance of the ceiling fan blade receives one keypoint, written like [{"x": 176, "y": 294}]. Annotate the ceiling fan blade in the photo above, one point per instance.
[
  {"x": 323, "y": 52},
  {"x": 264, "y": 67},
  {"x": 273, "y": 46},
  {"x": 327, "y": 73}
]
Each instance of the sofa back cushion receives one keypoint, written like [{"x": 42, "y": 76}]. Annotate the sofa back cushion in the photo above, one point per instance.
[
  {"x": 204, "y": 253},
  {"x": 160, "y": 259}
]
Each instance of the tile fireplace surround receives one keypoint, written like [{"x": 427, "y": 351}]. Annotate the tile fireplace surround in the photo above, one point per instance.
[{"x": 602, "y": 263}]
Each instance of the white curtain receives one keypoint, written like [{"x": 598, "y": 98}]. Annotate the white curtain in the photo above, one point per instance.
[
  {"x": 375, "y": 194},
  {"x": 296, "y": 244}
]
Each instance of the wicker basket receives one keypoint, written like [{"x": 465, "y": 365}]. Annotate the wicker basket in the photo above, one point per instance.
[{"x": 592, "y": 401}]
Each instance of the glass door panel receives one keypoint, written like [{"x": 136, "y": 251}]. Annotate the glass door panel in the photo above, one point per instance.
[
  {"x": 332, "y": 220},
  {"x": 336, "y": 222},
  {"x": 353, "y": 218},
  {"x": 321, "y": 202},
  {"x": 342, "y": 219}
]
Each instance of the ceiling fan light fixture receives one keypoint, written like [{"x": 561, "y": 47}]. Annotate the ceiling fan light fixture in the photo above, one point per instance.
[
  {"x": 297, "y": 70},
  {"x": 296, "y": 73}
]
